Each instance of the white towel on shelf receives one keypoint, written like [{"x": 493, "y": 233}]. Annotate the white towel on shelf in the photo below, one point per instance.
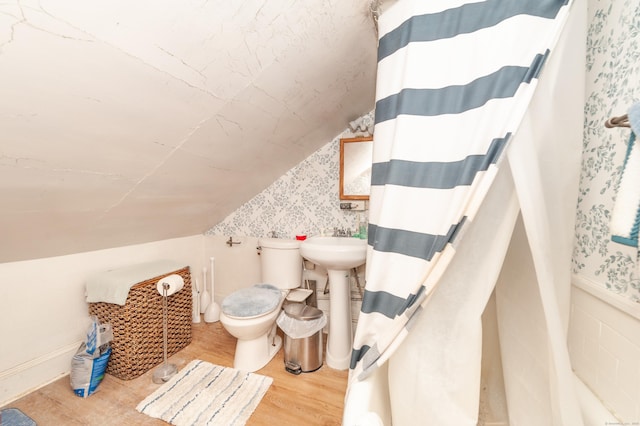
[{"x": 113, "y": 286}]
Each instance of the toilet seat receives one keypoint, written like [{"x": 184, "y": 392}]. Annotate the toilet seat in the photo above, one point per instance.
[{"x": 252, "y": 302}]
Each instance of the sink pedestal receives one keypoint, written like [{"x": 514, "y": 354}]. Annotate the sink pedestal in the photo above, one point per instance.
[
  {"x": 340, "y": 337},
  {"x": 338, "y": 256}
]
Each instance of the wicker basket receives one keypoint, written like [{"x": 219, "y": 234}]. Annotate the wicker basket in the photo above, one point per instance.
[{"x": 137, "y": 344}]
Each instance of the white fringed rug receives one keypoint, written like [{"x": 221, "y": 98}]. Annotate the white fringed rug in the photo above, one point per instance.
[{"x": 206, "y": 394}]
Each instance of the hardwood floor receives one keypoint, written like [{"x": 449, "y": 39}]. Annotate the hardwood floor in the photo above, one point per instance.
[{"x": 315, "y": 398}]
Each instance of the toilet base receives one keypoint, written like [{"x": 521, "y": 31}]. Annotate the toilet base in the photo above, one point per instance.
[{"x": 252, "y": 355}]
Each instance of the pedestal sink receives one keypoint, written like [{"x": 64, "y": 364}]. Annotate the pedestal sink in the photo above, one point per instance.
[{"x": 337, "y": 255}]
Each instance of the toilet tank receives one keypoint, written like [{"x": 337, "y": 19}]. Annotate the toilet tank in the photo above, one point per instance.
[{"x": 281, "y": 262}]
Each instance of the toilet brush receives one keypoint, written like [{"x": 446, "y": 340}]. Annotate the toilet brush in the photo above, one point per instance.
[
  {"x": 195, "y": 296},
  {"x": 212, "y": 314},
  {"x": 204, "y": 296}
]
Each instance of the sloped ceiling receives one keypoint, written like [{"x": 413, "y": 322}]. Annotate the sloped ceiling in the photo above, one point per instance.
[{"x": 126, "y": 122}]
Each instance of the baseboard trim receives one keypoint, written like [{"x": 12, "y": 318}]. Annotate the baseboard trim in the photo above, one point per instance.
[{"x": 24, "y": 378}]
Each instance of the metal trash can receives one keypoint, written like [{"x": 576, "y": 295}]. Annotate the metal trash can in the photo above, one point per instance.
[{"x": 302, "y": 326}]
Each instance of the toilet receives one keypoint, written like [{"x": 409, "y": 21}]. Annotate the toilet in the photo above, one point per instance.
[{"x": 250, "y": 314}]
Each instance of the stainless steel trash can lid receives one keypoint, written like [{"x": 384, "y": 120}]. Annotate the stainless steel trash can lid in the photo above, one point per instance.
[{"x": 302, "y": 312}]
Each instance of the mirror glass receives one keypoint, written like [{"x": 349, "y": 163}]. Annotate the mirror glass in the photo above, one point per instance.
[{"x": 356, "y": 156}]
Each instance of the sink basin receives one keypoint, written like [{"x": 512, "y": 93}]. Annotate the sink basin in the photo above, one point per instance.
[{"x": 335, "y": 253}]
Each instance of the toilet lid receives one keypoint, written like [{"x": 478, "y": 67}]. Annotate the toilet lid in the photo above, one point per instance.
[{"x": 253, "y": 301}]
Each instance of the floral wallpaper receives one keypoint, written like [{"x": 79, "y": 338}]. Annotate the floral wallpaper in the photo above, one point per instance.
[
  {"x": 612, "y": 86},
  {"x": 304, "y": 200}
]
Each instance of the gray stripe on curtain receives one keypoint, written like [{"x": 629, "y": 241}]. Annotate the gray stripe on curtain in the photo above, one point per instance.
[
  {"x": 437, "y": 175},
  {"x": 370, "y": 354},
  {"x": 502, "y": 83},
  {"x": 462, "y": 20},
  {"x": 367, "y": 354},
  {"x": 410, "y": 243},
  {"x": 387, "y": 304}
]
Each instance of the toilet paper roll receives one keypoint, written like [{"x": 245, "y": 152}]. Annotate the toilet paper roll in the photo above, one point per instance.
[{"x": 175, "y": 282}]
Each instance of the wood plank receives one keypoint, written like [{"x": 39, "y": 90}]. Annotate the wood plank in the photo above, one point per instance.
[{"x": 315, "y": 398}]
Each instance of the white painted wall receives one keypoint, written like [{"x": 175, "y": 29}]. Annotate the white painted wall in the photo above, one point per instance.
[
  {"x": 44, "y": 314},
  {"x": 235, "y": 267}
]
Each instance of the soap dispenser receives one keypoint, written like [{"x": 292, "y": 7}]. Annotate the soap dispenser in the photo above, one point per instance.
[{"x": 362, "y": 229}]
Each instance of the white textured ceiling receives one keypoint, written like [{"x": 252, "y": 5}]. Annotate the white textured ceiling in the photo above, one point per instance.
[{"x": 124, "y": 122}]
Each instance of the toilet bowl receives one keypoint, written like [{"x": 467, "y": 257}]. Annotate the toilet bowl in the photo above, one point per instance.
[{"x": 250, "y": 314}]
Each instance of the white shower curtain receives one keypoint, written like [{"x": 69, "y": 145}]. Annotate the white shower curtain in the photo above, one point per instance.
[{"x": 455, "y": 82}]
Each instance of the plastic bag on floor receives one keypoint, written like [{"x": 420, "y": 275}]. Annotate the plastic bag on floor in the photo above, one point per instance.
[{"x": 90, "y": 361}]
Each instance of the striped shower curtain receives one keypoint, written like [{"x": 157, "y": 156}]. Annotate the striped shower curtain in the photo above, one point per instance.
[{"x": 455, "y": 79}]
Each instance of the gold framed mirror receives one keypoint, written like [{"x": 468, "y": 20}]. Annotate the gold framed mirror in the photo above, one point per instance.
[{"x": 356, "y": 156}]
